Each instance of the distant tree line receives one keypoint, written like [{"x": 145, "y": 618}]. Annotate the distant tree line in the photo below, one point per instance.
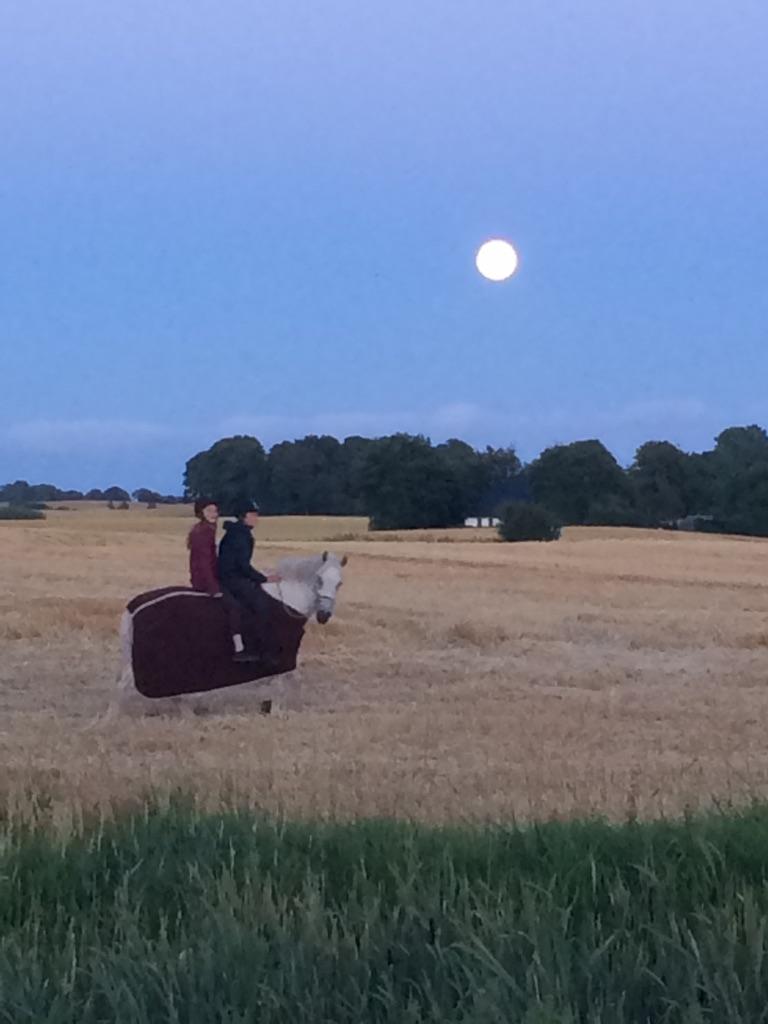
[
  {"x": 25, "y": 495},
  {"x": 400, "y": 481},
  {"x": 404, "y": 481}
]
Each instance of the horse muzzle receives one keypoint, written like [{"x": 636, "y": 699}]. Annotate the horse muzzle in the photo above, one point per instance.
[{"x": 323, "y": 615}]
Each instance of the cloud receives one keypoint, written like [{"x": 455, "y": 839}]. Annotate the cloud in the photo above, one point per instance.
[
  {"x": 655, "y": 411},
  {"x": 688, "y": 422},
  {"x": 621, "y": 427},
  {"x": 441, "y": 422},
  {"x": 86, "y": 436}
]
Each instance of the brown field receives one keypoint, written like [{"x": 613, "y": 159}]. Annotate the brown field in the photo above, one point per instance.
[{"x": 618, "y": 671}]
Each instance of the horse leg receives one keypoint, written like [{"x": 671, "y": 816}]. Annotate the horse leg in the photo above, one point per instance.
[
  {"x": 289, "y": 691},
  {"x": 200, "y": 706}
]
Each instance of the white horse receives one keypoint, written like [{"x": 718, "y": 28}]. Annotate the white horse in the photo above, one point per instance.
[{"x": 308, "y": 589}]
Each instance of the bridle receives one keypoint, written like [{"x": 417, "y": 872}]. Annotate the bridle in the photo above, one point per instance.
[{"x": 291, "y": 612}]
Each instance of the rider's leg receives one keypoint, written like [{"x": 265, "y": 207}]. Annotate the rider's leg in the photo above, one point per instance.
[
  {"x": 234, "y": 614},
  {"x": 243, "y": 594}
]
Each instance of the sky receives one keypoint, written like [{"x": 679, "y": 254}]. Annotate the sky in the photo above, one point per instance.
[{"x": 261, "y": 216}]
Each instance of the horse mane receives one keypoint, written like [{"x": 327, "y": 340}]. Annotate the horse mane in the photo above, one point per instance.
[{"x": 303, "y": 570}]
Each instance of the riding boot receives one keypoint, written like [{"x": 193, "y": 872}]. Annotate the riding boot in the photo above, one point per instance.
[
  {"x": 247, "y": 656},
  {"x": 268, "y": 658}
]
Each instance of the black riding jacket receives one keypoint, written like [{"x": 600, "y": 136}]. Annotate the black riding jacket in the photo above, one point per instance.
[{"x": 235, "y": 553}]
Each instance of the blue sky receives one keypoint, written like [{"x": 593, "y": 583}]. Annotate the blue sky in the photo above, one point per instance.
[{"x": 252, "y": 216}]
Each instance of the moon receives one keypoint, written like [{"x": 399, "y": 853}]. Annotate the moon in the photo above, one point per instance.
[{"x": 496, "y": 259}]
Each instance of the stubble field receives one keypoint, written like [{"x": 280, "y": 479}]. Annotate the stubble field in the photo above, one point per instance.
[{"x": 616, "y": 671}]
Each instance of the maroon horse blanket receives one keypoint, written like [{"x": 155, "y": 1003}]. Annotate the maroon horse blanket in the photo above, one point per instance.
[{"x": 182, "y": 642}]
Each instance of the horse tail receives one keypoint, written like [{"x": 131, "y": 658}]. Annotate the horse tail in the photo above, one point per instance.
[
  {"x": 126, "y": 641},
  {"x": 124, "y": 678}
]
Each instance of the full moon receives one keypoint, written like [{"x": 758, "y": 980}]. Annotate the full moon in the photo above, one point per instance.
[{"x": 496, "y": 260}]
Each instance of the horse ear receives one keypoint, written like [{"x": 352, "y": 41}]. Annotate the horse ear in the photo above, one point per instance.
[
  {"x": 325, "y": 556},
  {"x": 344, "y": 561}
]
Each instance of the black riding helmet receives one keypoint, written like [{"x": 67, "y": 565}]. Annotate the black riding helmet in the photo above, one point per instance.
[{"x": 244, "y": 507}]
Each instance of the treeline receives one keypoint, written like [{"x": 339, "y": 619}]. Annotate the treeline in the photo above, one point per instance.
[
  {"x": 400, "y": 481},
  {"x": 404, "y": 481},
  {"x": 26, "y": 495}
]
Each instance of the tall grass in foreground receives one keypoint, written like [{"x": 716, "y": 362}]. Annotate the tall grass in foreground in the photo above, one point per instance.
[{"x": 172, "y": 915}]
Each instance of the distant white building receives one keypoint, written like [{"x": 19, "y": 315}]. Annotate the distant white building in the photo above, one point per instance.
[{"x": 479, "y": 521}]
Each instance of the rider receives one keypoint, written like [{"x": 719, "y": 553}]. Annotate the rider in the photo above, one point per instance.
[
  {"x": 204, "y": 569},
  {"x": 238, "y": 577},
  {"x": 201, "y": 544}
]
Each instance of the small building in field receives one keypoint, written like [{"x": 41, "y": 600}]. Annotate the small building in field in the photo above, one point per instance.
[
  {"x": 494, "y": 500},
  {"x": 696, "y": 522}
]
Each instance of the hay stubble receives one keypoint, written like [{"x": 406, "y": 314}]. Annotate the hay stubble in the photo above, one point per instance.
[{"x": 613, "y": 671}]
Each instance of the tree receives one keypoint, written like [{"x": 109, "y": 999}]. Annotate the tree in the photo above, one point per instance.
[
  {"x": 22, "y": 493},
  {"x": 525, "y": 520},
  {"x": 354, "y": 456},
  {"x": 408, "y": 484},
  {"x": 740, "y": 465},
  {"x": 746, "y": 508},
  {"x": 502, "y": 465},
  {"x": 614, "y": 510},
  {"x": 306, "y": 477},
  {"x": 503, "y": 480},
  {"x": 17, "y": 493},
  {"x": 232, "y": 470},
  {"x": 45, "y": 492},
  {"x": 146, "y": 496},
  {"x": 660, "y": 480},
  {"x": 579, "y": 482},
  {"x": 23, "y": 512},
  {"x": 701, "y": 484},
  {"x": 95, "y": 495},
  {"x": 116, "y": 494},
  {"x": 468, "y": 469},
  {"x": 741, "y": 446}
]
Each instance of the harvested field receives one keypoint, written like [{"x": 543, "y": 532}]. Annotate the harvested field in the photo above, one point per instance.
[{"x": 619, "y": 671}]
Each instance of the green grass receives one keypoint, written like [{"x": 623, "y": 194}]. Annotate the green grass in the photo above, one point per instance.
[{"x": 173, "y": 915}]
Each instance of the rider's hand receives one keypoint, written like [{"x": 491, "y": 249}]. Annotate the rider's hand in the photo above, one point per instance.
[{"x": 274, "y": 577}]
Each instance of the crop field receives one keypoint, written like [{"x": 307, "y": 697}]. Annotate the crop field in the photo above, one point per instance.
[{"x": 619, "y": 672}]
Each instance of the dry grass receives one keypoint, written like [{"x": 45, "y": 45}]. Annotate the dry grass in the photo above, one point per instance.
[{"x": 614, "y": 671}]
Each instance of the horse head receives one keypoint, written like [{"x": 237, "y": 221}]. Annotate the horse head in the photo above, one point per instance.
[{"x": 327, "y": 582}]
